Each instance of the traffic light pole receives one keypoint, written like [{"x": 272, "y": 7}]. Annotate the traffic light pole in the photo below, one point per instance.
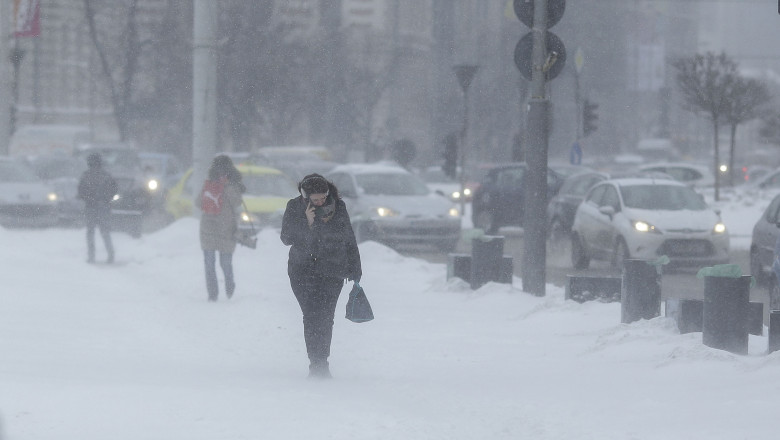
[{"x": 535, "y": 212}]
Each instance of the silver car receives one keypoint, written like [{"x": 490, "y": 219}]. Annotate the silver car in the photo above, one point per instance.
[
  {"x": 389, "y": 204},
  {"x": 25, "y": 200}
]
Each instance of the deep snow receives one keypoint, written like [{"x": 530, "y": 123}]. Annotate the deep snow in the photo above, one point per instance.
[{"x": 134, "y": 351}]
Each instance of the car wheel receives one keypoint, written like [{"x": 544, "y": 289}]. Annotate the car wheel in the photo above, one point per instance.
[
  {"x": 579, "y": 256},
  {"x": 486, "y": 222},
  {"x": 755, "y": 268},
  {"x": 621, "y": 254}
]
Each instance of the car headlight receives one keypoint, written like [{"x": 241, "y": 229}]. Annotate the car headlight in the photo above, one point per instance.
[
  {"x": 453, "y": 212},
  {"x": 152, "y": 184},
  {"x": 641, "y": 226},
  {"x": 248, "y": 217},
  {"x": 455, "y": 195},
  {"x": 467, "y": 192},
  {"x": 719, "y": 228},
  {"x": 52, "y": 197},
  {"x": 385, "y": 212},
  {"x": 116, "y": 197}
]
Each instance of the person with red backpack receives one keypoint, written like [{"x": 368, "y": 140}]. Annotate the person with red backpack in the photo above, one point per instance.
[{"x": 220, "y": 204}]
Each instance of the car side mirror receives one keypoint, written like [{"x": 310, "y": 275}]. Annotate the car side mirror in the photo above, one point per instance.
[{"x": 607, "y": 210}]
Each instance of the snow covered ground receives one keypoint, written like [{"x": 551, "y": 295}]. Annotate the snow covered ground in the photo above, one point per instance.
[{"x": 134, "y": 351}]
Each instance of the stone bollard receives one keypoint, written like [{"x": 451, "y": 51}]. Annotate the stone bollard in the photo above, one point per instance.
[
  {"x": 582, "y": 288},
  {"x": 640, "y": 295},
  {"x": 774, "y": 331},
  {"x": 725, "y": 315},
  {"x": 756, "y": 318},
  {"x": 459, "y": 266},
  {"x": 487, "y": 253}
]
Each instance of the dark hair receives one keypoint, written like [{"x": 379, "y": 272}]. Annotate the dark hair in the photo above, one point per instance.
[
  {"x": 94, "y": 160},
  {"x": 316, "y": 184},
  {"x": 222, "y": 166}
]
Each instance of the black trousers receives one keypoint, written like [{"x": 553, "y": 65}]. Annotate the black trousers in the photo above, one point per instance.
[
  {"x": 317, "y": 295},
  {"x": 99, "y": 217}
]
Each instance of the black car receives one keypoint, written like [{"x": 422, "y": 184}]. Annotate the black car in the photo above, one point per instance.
[
  {"x": 762, "y": 245},
  {"x": 499, "y": 199},
  {"x": 136, "y": 198},
  {"x": 563, "y": 206}
]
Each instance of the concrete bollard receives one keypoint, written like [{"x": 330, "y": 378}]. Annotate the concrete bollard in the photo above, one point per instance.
[
  {"x": 459, "y": 266},
  {"x": 640, "y": 296},
  {"x": 774, "y": 331},
  {"x": 487, "y": 253},
  {"x": 725, "y": 317},
  {"x": 687, "y": 313},
  {"x": 756, "y": 318}
]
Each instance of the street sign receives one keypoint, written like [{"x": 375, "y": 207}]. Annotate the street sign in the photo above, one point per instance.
[
  {"x": 556, "y": 55},
  {"x": 524, "y": 9}
]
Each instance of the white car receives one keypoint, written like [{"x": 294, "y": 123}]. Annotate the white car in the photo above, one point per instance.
[
  {"x": 646, "y": 218},
  {"x": 25, "y": 200},
  {"x": 442, "y": 184},
  {"x": 389, "y": 204},
  {"x": 692, "y": 174}
]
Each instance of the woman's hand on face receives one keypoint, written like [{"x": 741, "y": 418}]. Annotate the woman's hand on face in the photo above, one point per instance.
[{"x": 310, "y": 213}]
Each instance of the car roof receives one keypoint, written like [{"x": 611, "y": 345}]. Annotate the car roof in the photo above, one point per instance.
[
  {"x": 635, "y": 181},
  {"x": 369, "y": 168}
]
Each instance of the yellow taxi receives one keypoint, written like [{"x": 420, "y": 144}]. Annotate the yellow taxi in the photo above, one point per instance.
[{"x": 266, "y": 196}]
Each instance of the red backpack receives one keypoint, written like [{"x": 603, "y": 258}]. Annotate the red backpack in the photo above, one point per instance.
[{"x": 211, "y": 196}]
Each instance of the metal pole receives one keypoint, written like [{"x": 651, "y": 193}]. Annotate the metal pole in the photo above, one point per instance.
[
  {"x": 204, "y": 88},
  {"x": 535, "y": 218},
  {"x": 462, "y": 161},
  {"x": 5, "y": 109},
  {"x": 16, "y": 57}
]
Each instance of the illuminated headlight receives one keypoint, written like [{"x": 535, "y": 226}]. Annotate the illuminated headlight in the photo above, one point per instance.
[
  {"x": 644, "y": 227},
  {"x": 152, "y": 184},
  {"x": 467, "y": 192},
  {"x": 248, "y": 217},
  {"x": 456, "y": 195},
  {"x": 453, "y": 212},
  {"x": 116, "y": 197},
  {"x": 52, "y": 197},
  {"x": 386, "y": 212},
  {"x": 719, "y": 228}
]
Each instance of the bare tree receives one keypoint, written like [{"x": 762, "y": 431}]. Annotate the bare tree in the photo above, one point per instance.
[
  {"x": 706, "y": 82},
  {"x": 748, "y": 97},
  {"x": 118, "y": 48}
]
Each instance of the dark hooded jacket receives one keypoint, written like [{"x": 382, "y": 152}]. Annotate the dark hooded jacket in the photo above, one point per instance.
[{"x": 328, "y": 248}]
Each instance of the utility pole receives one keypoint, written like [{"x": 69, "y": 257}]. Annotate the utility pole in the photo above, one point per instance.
[
  {"x": 5, "y": 99},
  {"x": 535, "y": 218},
  {"x": 204, "y": 89}
]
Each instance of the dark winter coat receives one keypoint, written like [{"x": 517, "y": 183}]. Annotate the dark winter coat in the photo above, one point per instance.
[
  {"x": 218, "y": 231},
  {"x": 328, "y": 248},
  {"x": 97, "y": 188}
]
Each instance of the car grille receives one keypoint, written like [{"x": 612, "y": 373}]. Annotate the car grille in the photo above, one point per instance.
[
  {"x": 26, "y": 210},
  {"x": 686, "y": 248}
]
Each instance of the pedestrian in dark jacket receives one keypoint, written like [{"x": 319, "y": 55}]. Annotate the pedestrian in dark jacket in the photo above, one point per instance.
[
  {"x": 220, "y": 205},
  {"x": 97, "y": 188},
  {"x": 323, "y": 253}
]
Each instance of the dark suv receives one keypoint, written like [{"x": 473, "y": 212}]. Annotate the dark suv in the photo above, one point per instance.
[
  {"x": 136, "y": 197},
  {"x": 499, "y": 199}
]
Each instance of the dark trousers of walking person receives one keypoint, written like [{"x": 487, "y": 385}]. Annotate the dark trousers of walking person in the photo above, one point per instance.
[
  {"x": 100, "y": 218},
  {"x": 226, "y": 263},
  {"x": 317, "y": 295}
]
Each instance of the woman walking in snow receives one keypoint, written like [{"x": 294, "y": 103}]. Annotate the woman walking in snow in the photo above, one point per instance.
[
  {"x": 220, "y": 204},
  {"x": 323, "y": 253}
]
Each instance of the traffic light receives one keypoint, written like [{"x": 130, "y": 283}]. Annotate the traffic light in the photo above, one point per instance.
[{"x": 589, "y": 117}]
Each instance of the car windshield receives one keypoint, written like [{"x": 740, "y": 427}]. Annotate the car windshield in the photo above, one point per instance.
[
  {"x": 391, "y": 184},
  {"x": 16, "y": 172},
  {"x": 662, "y": 197},
  {"x": 436, "y": 175},
  {"x": 268, "y": 185},
  {"x": 53, "y": 168}
]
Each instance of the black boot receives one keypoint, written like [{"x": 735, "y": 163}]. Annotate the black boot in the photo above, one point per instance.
[{"x": 318, "y": 368}]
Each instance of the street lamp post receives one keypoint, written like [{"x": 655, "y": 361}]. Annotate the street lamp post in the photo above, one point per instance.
[{"x": 465, "y": 73}]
